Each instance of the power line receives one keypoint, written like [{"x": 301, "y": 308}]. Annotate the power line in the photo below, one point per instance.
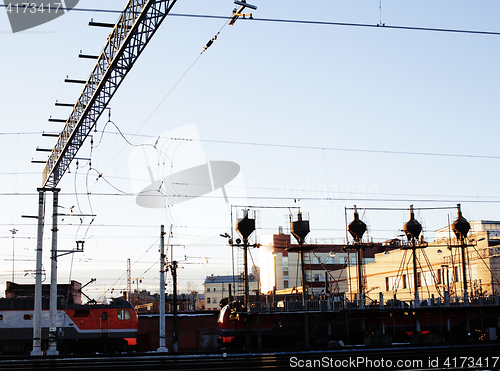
[
  {"x": 316, "y": 148},
  {"x": 349, "y": 149},
  {"x": 307, "y": 22},
  {"x": 326, "y": 23},
  {"x": 283, "y": 198}
]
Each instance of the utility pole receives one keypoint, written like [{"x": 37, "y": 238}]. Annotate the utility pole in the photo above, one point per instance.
[
  {"x": 412, "y": 230},
  {"x": 300, "y": 229},
  {"x": 138, "y": 280},
  {"x": 461, "y": 228},
  {"x": 175, "y": 336},
  {"x": 52, "y": 351},
  {"x": 173, "y": 267},
  {"x": 162, "y": 347},
  {"x": 129, "y": 280},
  {"x": 357, "y": 229},
  {"x": 13, "y": 231},
  {"x": 37, "y": 316},
  {"x": 245, "y": 227}
]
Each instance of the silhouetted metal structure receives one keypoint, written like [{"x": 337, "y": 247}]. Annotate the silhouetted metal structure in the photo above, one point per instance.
[
  {"x": 357, "y": 229},
  {"x": 461, "y": 228},
  {"x": 245, "y": 227},
  {"x": 132, "y": 32},
  {"x": 299, "y": 226}
]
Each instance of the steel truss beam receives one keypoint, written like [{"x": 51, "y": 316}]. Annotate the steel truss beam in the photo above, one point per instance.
[{"x": 132, "y": 32}]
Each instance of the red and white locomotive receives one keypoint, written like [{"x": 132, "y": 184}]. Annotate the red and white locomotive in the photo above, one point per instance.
[{"x": 87, "y": 328}]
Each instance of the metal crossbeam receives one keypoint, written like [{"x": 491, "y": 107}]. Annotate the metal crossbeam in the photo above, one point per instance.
[{"x": 131, "y": 33}]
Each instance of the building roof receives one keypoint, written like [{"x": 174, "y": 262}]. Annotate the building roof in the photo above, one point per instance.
[{"x": 229, "y": 279}]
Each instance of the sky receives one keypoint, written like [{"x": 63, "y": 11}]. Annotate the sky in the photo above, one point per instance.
[{"x": 321, "y": 117}]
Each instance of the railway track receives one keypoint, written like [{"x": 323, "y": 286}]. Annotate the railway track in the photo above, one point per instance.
[{"x": 472, "y": 357}]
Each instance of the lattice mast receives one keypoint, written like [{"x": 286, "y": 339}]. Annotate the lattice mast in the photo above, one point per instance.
[
  {"x": 130, "y": 35},
  {"x": 132, "y": 32}
]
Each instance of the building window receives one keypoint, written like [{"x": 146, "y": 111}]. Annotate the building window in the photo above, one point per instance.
[
  {"x": 215, "y": 289},
  {"x": 456, "y": 274},
  {"x": 285, "y": 284},
  {"x": 405, "y": 285},
  {"x": 419, "y": 280},
  {"x": 284, "y": 262},
  {"x": 208, "y": 289},
  {"x": 306, "y": 259},
  {"x": 317, "y": 278},
  {"x": 331, "y": 260},
  {"x": 387, "y": 284},
  {"x": 208, "y": 300}
]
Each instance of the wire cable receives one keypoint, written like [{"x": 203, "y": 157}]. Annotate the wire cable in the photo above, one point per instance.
[
  {"x": 306, "y": 22},
  {"x": 169, "y": 92}
]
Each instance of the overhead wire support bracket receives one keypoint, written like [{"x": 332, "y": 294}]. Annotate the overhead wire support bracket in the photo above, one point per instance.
[
  {"x": 74, "y": 81},
  {"x": 239, "y": 12},
  {"x": 132, "y": 32},
  {"x": 88, "y": 56}
]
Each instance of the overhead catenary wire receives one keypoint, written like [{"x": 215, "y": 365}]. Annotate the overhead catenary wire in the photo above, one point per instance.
[
  {"x": 305, "y": 22},
  {"x": 281, "y": 145},
  {"x": 209, "y": 43},
  {"x": 279, "y": 198},
  {"x": 319, "y": 148}
]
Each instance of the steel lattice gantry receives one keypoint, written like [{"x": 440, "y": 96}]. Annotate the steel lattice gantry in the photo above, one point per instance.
[
  {"x": 130, "y": 35},
  {"x": 134, "y": 29}
]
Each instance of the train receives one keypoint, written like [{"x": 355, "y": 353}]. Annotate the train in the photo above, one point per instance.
[
  {"x": 81, "y": 328},
  {"x": 327, "y": 323}
]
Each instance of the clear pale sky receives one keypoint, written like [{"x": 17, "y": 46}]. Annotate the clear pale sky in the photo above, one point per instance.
[{"x": 317, "y": 116}]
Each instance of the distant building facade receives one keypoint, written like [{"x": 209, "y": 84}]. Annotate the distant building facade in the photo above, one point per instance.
[
  {"x": 71, "y": 293},
  {"x": 280, "y": 268},
  {"x": 217, "y": 288},
  {"x": 439, "y": 268},
  {"x": 145, "y": 302}
]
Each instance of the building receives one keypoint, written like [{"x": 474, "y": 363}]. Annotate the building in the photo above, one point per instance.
[
  {"x": 477, "y": 226},
  {"x": 218, "y": 288},
  {"x": 280, "y": 268},
  {"x": 145, "y": 302},
  {"x": 71, "y": 293},
  {"x": 439, "y": 268}
]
